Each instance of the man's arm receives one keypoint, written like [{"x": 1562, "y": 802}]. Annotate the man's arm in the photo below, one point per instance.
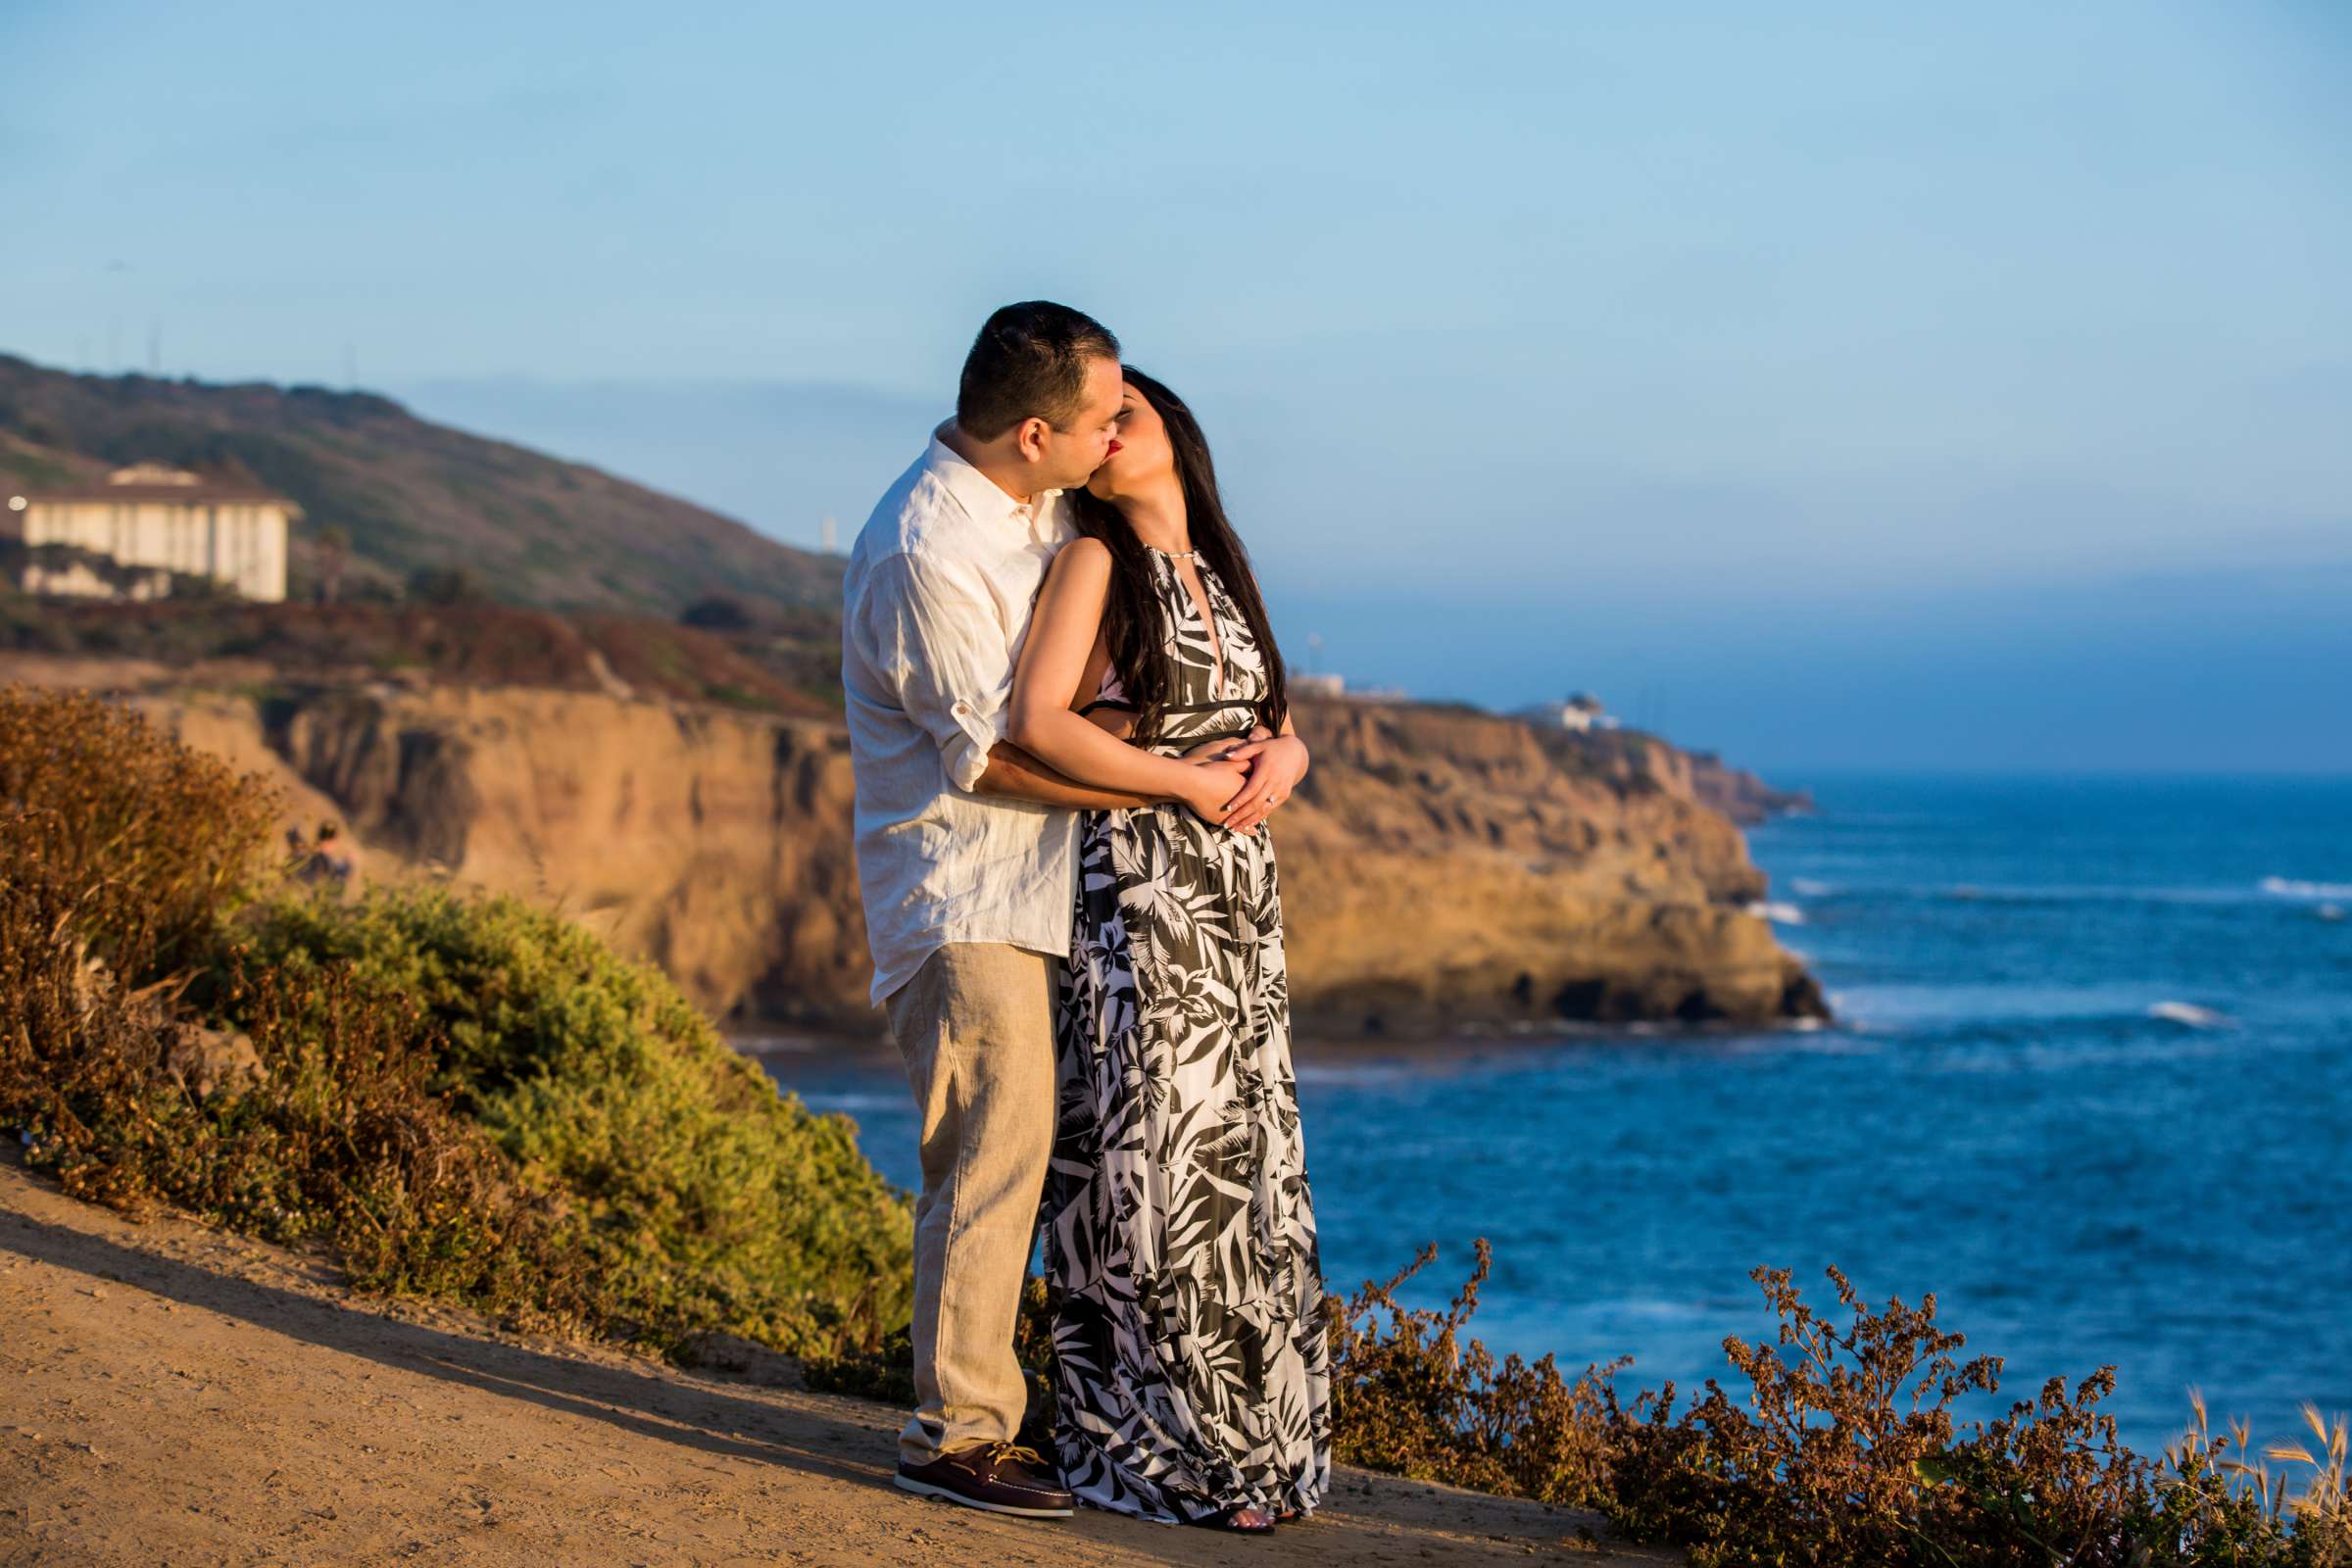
[
  {"x": 1020, "y": 775},
  {"x": 1015, "y": 774},
  {"x": 917, "y": 627},
  {"x": 910, "y": 623}
]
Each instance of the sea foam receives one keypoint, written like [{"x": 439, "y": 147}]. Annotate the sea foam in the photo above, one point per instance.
[
  {"x": 853, "y": 1103},
  {"x": 2281, "y": 887},
  {"x": 2188, "y": 1015}
]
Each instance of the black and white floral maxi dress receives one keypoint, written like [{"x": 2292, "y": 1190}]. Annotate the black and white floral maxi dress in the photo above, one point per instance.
[{"x": 1190, "y": 1368}]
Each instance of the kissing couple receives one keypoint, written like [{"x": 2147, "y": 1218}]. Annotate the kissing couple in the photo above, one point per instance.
[{"x": 1069, "y": 731}]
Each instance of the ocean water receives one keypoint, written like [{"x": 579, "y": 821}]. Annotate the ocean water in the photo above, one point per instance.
[{"x": 2090, "y": 1083}]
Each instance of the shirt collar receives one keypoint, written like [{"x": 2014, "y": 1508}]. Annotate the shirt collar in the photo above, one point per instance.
[{"x": 982, "y": 498}]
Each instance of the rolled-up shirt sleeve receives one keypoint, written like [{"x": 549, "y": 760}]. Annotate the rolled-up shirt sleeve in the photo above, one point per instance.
[{"x": 931, "y": 636}]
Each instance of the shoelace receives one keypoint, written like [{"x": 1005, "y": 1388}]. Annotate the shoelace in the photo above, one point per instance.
[{"x": 1016, "y": 1452}]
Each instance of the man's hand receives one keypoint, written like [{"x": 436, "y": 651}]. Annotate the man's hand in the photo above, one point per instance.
[
  {"x": 1215, "y": 757},
  {"x": 1223, "y": 746},
  {"x": 1276, "y": 765},
  {"x": 1215, "y": 785}
]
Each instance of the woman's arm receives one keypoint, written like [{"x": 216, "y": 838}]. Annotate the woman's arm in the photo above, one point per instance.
[{"x": 1045, "y": 686}]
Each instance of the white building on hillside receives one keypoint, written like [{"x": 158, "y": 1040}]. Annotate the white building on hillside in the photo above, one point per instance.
[
  {"x": 153, "y": 516},
  {"x": 1583, "y": 712}
]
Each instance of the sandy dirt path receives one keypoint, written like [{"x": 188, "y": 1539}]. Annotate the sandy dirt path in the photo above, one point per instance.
[{"x": 170, "y": 1394}]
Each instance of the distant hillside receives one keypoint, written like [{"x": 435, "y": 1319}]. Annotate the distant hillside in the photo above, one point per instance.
[
  {"x": 530, "y": 529},
  {"x": 792, "y": 670}
]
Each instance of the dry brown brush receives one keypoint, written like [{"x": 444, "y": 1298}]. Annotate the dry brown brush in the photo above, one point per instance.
[{"x": 1840, "y": 1448}]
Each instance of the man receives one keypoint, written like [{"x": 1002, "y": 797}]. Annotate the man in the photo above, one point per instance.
[{"x": 966, "y": 858}]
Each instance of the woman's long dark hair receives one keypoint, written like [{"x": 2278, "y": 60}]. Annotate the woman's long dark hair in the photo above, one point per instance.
[{"x": 1133, "y": 620}]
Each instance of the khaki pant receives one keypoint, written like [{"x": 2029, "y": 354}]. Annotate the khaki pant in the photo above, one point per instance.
[{"x": 976, "y": 1027}]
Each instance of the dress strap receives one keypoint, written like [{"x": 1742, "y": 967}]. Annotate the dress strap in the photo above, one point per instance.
[
  {"x": 1185, "y": 743},
  {"x": 1172, "y": 708},
  {"x": 1209, "y": 708}
]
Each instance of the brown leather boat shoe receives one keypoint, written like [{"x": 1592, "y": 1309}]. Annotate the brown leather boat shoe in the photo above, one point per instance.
[{"x": 1001, "y": 1477}]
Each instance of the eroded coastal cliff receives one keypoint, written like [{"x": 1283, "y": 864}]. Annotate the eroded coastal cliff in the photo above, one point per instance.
[{"x": 1441, "y": 866}]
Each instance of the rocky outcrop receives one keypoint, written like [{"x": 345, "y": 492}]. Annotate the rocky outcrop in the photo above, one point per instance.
[
  {"x": 1739, "y": 794},
  {"x": 1444, "y": 867},
  {"x": 1441, "y": 867},
  {"x": 1632, "y": 759}
]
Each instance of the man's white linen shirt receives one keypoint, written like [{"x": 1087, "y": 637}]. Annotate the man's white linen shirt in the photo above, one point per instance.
[{"x": 935, "y": 606}]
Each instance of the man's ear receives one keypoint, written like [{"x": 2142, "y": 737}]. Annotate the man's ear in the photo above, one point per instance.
[{"x": 1030, "y": 438}]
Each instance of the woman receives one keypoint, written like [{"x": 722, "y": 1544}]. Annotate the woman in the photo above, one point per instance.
[{"x": 1190, "y": 1368}]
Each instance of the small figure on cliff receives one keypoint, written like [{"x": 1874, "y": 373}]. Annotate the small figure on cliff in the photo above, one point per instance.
[{"x": 319, "y": 861}]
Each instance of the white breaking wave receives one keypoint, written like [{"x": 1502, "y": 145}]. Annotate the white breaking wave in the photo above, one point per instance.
[
  {"x": 2280, "y": 887},
  {"x": 2189, "y": 1015},
  {"x": 1806, "y": 887},
  {"x": 2095, "y": 892},
  {"x": 776, "y": 1044},
  {"x": 853, "y": 1103},
  {"x": 1778, "y": 913},
  {"x": 1308, "y": 1073},
  {"x": 2330, "y": 911}
]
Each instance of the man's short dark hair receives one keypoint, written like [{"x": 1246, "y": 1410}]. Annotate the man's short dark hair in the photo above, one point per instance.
[{"x": 1029, "y": 361}]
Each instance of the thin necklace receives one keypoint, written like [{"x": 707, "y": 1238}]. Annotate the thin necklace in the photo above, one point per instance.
[{"x": 1175, "y": 554}]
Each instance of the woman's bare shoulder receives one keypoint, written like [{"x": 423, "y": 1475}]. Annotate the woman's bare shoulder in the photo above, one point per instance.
[
  {"x": 1086, "y": 553},
  {"x": 1080, "y": 573}
]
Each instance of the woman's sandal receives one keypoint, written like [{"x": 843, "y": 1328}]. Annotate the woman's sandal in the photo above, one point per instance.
[{"x": 1231, "y": 1519}]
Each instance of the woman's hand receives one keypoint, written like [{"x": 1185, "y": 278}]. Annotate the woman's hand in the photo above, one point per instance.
[
  {"x": 1224, "y": 778},
  {"x": 1276, "y": 765}
]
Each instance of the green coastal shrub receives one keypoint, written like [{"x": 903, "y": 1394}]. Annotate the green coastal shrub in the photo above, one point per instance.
[
  {"x": 462, "y": 1097},
  {"x": 704, "y": 1200},
  {"x": 123, "y": 860},
  {"x": 317, "y": 1127}
]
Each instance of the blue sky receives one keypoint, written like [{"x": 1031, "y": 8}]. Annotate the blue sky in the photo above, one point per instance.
[{"x": 1836, "y": 385}]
